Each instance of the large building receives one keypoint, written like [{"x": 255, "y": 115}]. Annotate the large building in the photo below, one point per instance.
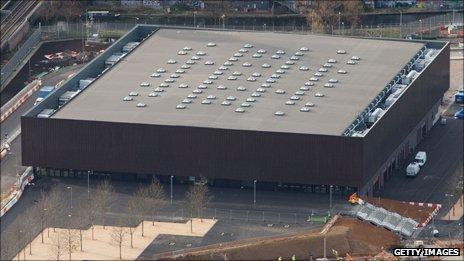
[{"x": 242, "y": 107}]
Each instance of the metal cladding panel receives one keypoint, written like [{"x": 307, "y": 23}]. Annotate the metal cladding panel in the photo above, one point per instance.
[
  {"x": 192, "y": 151},
  {"x": 406, "y": 113}
]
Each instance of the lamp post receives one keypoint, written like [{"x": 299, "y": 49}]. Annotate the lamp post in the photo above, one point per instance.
[
  {"x": 254, "y": 192},
  {"x": 194, "y": 18},
  {"x": 420, "y": 21},
  {"x": 88, "y": 184},
  {"x": 223, "y": 21},
  {"x": 71, "y": 205},
  {"x": 330, "y": 199},
  {"x": 401, "y": 24},
  {"x": 339, "y": 24},
  {"x": 171, "y": 188},
  {"x": 449, "y": 196}
]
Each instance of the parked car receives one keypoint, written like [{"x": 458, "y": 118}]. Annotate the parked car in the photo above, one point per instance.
[
  {"x": 421, "y": 158},
  {"x": 459, "y": 114},
  {"x": 412, "y": 169}
]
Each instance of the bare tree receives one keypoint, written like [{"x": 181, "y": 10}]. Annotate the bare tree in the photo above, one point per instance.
[
  {"x": 57, "y": 246},
  {"x": 57, "y": 206},
  {"x": 30, "y": 226},
  {"x": 197, "y": 198},
  {"x": 104, "y": 196},
  {"x": 133, "y": 217},
  {"x": 91, "y": 214},
  {"x": 324, "y": 15},
  {"x": 44, "y": 205},
  {"x": 138, "y": 204},
  {"x": 156, "y": 197},
  {"x": 118, "y": 235},
  {"x": 71, "y": 238}
]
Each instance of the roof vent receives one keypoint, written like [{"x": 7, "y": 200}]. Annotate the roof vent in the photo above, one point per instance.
[
  {"x": 257, "y": 55},
  {"x": 201, "y": 53},
  {"x": 255, "y": 74},
  {"x": 218, "y": 73},
  {"x": 251, "y": 79},
  {"x": 190, "y": 62},
  {"x": 299, "y": 54},
  {"x": 223, "y": 68},
  {"x": 304, "y": 49},
  {"x": 241, "y": 88},
  {"x": 275, "y": 56},
  {"x": 309, "y": 83},
  {"x": 211, "y": 97},
  {"x": 294, "y": 58},
  {"x": 127, "y": 98},
  {"x": 155, "y": 75},
  {"x": 205, "y": 102},
  {"x": 248, "y": 45},
  {"x": 245, "y": 104},
  {"x": 322, "y": 69},
  {"x": 299, "y": 93},
  {"x": 185, "y": 66},
  {"x": 183, "y": 85},
  {"x": 191, "y": 96},
  {"x": 246, "y": 64},
  {"x": 250, "y": 99},
  {"x": 341, "y": 51},
  {"x": 295, "y": 98},
  {"x": 211, "y": 44},
  {"x": 133, "y": 94},
  {"x": 333, "y": 80},
  {"x": 327, "y": 65},
  {"x": 202, "y": 86},
  {"x": 304, "y": 68},
  {"x": 172, "y": 61},
  {"x": 195, "y": 58},
  {"x": 186, "y": 101},
  {"x": 243, "y": 50},
  {"x": 275, "y": 76},
  {"x": 355, "y": 58},
  {"x": 331, "y": 61},
  {"x": 240, "y": 110},
  {"x": 226, "y": 103},
  {"x": 313, "y": 79},
  {"x": 232, "y": 78},
  {"x": 232, "y": 59},
  {"x": 228, "y": 63},
  {"x": 231, "y": 98},
  {"x": 351, "y": 62},
  {"x": 289, "y": 103},
  {"x": 180, "y": 71},
  {"x": 161, "y": 70},
  {"x": 153, "y": 94},
  {"x": 169, "y": 80},
  {"x": 187, "y": 48},
  {"x": 304, "y": 109},
  {"x": 256, "y": 94},
  {"x": 280, "y": 91},
  {"x": 261, "y": 51},
  {"x": 266, "y": 65},
  {"x": 309, "y": 104},
  {"x": 289, "y": 62},
  {"x": 209, "y": 63},
  {"x": 285, "y": 67},
  {"x": 238, "y": 54},
  {"x": 280, "y": 71},
  {"x": 266, "y": 85},
  {"x": 280, "y": 52},
  {"x": 221, "y": 87},
  {"x": 261, "y": 90},
  {"x": 270, "y": 80},
  {"x": 279, "y": 113},
  {"x": 144, "y": 84},
  {"x": 181, "y": 106},
  {"x": 174, "y": 75},
  {"x": 182, "y": 53},
  {"x": 141, "y": 105},
  {"x": 318, "y": 74},
  {"x": 328, "y": 85},
  {"x": 304, "y": 88},
  {"x": 197, "y": 91},
  {"x": 213, "y": 77},
  {"x": 319, "y": 94},
  {"x": 342, "y": 71},
  {"x": 158, "y": 90}
]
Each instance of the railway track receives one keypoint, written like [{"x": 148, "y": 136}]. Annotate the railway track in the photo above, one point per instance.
[{"x": 17, "y": 16}]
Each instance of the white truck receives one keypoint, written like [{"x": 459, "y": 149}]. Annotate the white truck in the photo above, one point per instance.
[{"x": 414, "y": 167}]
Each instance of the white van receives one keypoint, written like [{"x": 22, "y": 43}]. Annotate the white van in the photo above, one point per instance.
[
  {"x": 412, "y": 169},
  {"x": 421, "y": 158}
]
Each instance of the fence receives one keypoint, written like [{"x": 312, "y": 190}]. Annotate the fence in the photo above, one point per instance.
[{"x": 31, "y": 43}]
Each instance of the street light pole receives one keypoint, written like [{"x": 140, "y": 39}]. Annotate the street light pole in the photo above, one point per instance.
[
  {"x": 254, "y": 192},
  {"x": 339, "y": 25},
  {"x": 71, "y": 206},
  {"x": 330, "y": 197},
  {"x": 171, "y": 188},
  {"x": 449, "y": 196},
  {"x": 88, "y": 184},
  {"x": 420, "y": 20},
  {"x": 194, "y": 19},
  {"x": 401, "y": 24}
]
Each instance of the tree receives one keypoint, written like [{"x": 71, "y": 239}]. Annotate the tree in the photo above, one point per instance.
[
  {"x": 44, "y": 205},
  {"x": 57, "y": 246},
  {"x": 134, "y": 217},
  {"x": 138, "y": 205},
  {"x": 197, "y": 198},
  {"x": 91, "y": 214},
  {"x": 118, "y": 235},
  {"x": 71, "y": 243},
  {"x": 55, "y": 213},
  {"x": 104, "y": 196},
  {"x": 156, "y": 197}
]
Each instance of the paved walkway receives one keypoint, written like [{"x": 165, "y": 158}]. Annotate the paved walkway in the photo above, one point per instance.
[{"x": 105, "y": 245}]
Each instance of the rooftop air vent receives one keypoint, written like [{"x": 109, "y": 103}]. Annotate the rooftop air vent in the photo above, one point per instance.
[
  {"x": 169, "y": 80},
  {"x": 351, "y": 62},
  {"x": 153, "y": 94},
  {"x": 255, "y": 74},
  {"x": 289, "y": 103},
  {"x": 161, "y": 70},
  {"x": 195, "y": 58},
  {"x": 304, "y": 49},
  {"x": 221, "y": 87},
  {"x": 333, "y": 80},
  {"x": 232, "y": 59},
  {"x": 309, "y": 83},
  {"x": 202, "y": 87},
  {"x": 251, "y": 79},
  {"x": 304, "y": 68},
  {"x": 211, "y": 44},
  {"x": 266, "y": 85},
  {"x": 127, "y": 98},
  {"x": 266, "y": 65},
  {"x": 236, "y": 73},
  {"x": 285, "y": 67},
  {"x": 250, "y": 99},
  {"x": 342, "y": 71},
  {"x": 261, "y": 51},
  {"x": 318, "y": 74},
  {"x": 248, "y": 45},
  {"x": 172, "y": 61},
  {"x": 213, "y": 77},
  {"x": 174, "y": 75},
  {"x": 299, "y": 54},
  {"x": 180, "y": 71},
  {"x": 231, "y": 98},
  {"x": 190, "y": 62},
  {"x": 182, "y": 53},
  {"x": 245, "y": 104},
  {"x": 186, "y": 101},
  {"x": 304, "y": 88},
  {"x": 201, "y": 53},
  {"x": 133, "y": 94},
  {"x": 205, "y": 102},
  {"x": 257, "y": 55},
  {"x": 240, "y": 110},
  {"x": 280, "y": 52},
  {"x": 327, "y": 65},
  {"x": 309, "y": 104},
  {"x": 180, "y": 106},
  {"x": 280, "y": 71},
  {"x": 355, "y": 58},
  {"x": 226, "y": 103},
  {"x": 211, "y": 97},
  {"x": 280, "y": 91},
  {"x": 187, "y": 48},
  {"x": 328, "y": 85},
  {"x": 185, "y": 66},
  {"x": 331, "y": 61},
  {"x": 319, "y": 94},
  {"x": 304, "y": 109},
  {"x": 218, "y": 73},
  {"x": 246, "y": 64},
  {"x": 183, "y": 85},
  {"x": 144, "y": 84},
  {"x": 141, "y": 105},
  {"x": 243, "y": 50},
  {"x": 223, "y": 68},
  {"x": 158, "y": 90},
  {"x": 209, "y": 63},
  {"x": 241, "y": 88},
  {"x": 289, "y": 62},
  {"x": 228, "y": 63},
  {"x": 341, "y": 51},
  {"x": 197, "y": 91},
  {"x": 270, "y": 80},
  {"x": 238, "y": 54},
  {"x": 275, "y": 56},
  {"x": 155, "y": 75},
  {"x": 279, "y": 113},
  {"x": 294, "y": 58},
  {"x": 322, "y": 69},
  {"x": 295, "y": 98},
  {"x": 255, "y": 94},
  {"x": 275, "y": 76},
  {"x": 313, "y": 79},
  {"x": 261, "y": 90},
  {"x": 191, "y": 96},
  {"x": 299, "y": 93},
  {"x": 207, "y": 82}
]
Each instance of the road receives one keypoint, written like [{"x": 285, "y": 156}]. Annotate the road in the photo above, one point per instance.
[{"x": 17, "y": 16}]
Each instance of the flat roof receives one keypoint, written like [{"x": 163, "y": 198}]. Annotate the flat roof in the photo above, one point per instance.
[{"x": 380, "y": 61}]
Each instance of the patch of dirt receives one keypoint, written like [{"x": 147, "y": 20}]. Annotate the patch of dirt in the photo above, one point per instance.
[
  {"x": 418, "y": 213},
  {"x": 347, "y": 238}
]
